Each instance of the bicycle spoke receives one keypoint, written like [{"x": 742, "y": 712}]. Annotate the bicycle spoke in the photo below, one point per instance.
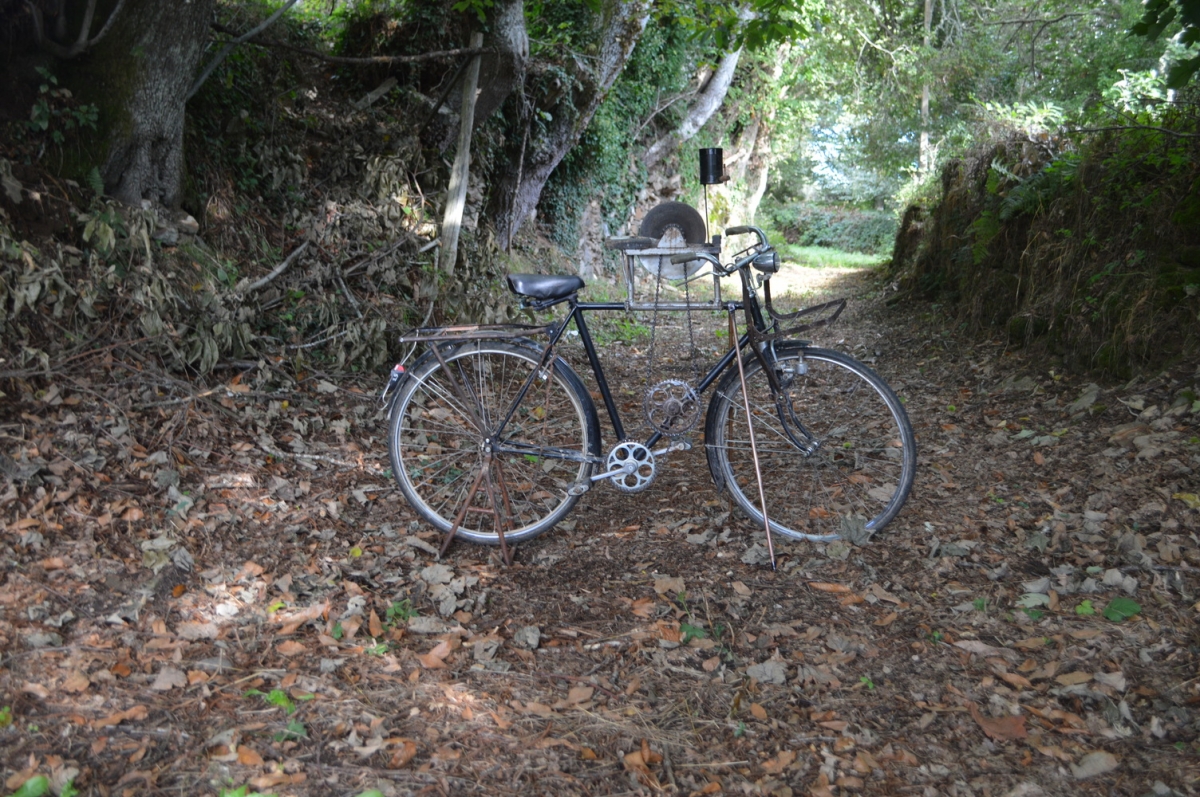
[
  {"x": 545, "y": 447},
  {"x": 850, "y": 478}
]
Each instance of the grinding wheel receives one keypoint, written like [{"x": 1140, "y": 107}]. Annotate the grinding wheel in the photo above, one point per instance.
[{"x": 674, "y": 225}]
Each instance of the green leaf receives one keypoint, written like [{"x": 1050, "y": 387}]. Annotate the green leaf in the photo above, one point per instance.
[
  {"x": 5, "y": 716},
  {"x": 95, "y": 181},
  {"x": 1031, "y": 600},
  {"x": 278, "y": 697},
  {"x": 34, "y": 787},
  {"x": 1191, "y": 499},
  {"x": 1119, "y": 609},
  {"x": 295, "y": 730},
  {"x": 691, "y": 632},
  {"x": 1085, "y": 609}
]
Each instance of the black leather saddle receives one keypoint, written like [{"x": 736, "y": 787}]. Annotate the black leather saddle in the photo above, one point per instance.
[{"x": 544, "y": 286}]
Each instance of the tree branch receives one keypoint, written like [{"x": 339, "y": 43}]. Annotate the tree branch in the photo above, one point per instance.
[
  {"x": 208, "y": 70},
  {"x": 1123, "y": 128},
  {"x": 367, "y": 60},
  {"x": 107, "y": 25},
  {"x": 82, "y": 43},
  {"x": 85, "y": 28}
]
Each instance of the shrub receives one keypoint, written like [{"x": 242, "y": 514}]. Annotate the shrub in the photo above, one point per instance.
[
  {"x": 870, "y": 232},
  {"x": 1089, "y": 249}
]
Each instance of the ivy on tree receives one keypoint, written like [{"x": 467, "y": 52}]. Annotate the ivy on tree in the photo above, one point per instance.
[{"x": 1161, "y": 13}]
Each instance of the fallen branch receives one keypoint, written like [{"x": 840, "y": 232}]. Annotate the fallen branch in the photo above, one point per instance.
[
  {"x": 372, "y": 59},
  {"x": 317, "y": 342},
  {"x": 282, "y": 267},
  {"x": 1122, "y": 128}
]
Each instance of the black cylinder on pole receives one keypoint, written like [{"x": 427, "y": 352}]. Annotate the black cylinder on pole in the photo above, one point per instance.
[{"x": 712, "y": 166}]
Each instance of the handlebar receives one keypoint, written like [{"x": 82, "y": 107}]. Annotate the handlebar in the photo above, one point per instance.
[
  {"x": 762, "y": 236},
  {"x": 687, "y": 257},
  {"x": 751, "y": 258}
]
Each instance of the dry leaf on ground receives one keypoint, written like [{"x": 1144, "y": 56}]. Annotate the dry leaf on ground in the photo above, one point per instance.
[
  {"x": 1002, "y": 729},
  {"x": 824, "y": 586}
]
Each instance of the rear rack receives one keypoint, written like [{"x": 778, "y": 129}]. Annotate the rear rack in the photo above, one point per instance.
[{"x": 474, "y": 332}]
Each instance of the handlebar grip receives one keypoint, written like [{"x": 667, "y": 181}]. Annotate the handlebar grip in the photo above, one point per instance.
[
  {"x": 738, "y": 230},
  {"x": 685, "y": 257}
]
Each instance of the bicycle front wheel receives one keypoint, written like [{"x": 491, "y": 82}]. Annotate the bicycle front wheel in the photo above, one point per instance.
[
  {"x": 452, "y": 465},
  {"x": 836, "y": 453}
]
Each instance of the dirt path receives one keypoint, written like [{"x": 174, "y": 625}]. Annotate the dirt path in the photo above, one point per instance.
[{"x": 203, "y": 592}]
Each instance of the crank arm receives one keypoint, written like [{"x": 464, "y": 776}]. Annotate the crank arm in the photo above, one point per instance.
[
  {"x": 581, "y": 487},
  {"x": 624, "y": 470},
  {"x": 678, "y": 445}
]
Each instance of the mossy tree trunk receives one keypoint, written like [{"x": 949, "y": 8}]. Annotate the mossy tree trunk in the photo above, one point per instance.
[
  {"x": 570, "y": 104},
  {"x": 138, "y": 77}
]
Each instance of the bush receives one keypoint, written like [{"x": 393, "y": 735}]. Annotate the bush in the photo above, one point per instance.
[
  {"x": 1090, "y": 249},
  {"x": 870, "y": 232}
]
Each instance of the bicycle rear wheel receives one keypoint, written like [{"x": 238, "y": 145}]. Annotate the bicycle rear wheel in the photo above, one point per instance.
[
  {"x": 837, "y": 454},
  {"x": 443, "y": 437}
]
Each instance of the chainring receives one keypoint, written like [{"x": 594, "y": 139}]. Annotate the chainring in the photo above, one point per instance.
[
  {"x": 672, "y": 407},
  {"x": 640, "y": 463}
]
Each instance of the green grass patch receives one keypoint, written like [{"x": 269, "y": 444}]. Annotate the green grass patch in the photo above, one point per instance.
[{"x": 825, "y": 257}]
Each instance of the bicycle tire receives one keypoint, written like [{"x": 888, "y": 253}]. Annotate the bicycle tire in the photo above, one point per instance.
[
  {"x": 438, "y": 452},
  {"x": 862, "y": 470}
]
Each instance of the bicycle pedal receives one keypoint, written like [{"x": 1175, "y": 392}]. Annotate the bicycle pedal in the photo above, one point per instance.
[{"x": 579, "y": 488}]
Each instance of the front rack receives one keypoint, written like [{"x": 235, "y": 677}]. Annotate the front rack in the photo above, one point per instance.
[{"x": 633, "y": 249}]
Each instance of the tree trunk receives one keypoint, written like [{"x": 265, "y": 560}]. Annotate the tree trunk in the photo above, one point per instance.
[
  {"x": 924, "y": 159},
  {"x": 138, "y": 77},
  {"x": 460, "y": 173},
  {"x": 503, "y": 71},
  {"x": 518, "y": 189},
  {"x": 756, "y": 178},
  {"x": 707, "y": 103}
]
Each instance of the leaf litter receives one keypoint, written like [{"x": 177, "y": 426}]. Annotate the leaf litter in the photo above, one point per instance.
[{"x": 310, "y": 641}]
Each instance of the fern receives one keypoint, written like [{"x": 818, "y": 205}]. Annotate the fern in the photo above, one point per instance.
[{"x": 95, "y": 181}]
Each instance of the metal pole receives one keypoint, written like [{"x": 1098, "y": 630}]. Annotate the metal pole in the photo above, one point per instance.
[{"x": 762, "y": 498}]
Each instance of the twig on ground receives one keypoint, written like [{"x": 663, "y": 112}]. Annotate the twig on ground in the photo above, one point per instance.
[
  {"x": 317, "y": 342},
  {"x": 282, "y": 267}
]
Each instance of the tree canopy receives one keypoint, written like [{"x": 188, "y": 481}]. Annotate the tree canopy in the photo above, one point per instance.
[{"x": 833, "y": 115}]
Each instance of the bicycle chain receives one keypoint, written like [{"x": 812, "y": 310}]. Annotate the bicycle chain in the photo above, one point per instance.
[{"x": 671, "y": 406}]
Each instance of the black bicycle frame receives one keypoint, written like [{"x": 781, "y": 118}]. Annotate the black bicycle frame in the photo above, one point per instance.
[{"x": 576, "y": 314}]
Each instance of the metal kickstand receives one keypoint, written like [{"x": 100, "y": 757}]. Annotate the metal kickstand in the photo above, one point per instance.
[{"x": 484, "y": 477}]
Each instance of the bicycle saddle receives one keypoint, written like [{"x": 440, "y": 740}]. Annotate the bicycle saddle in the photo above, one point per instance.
[{"x": 544, "y": 286}]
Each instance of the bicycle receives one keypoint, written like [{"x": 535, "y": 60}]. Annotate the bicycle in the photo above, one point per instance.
[{"x": 493, "y": 437}]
